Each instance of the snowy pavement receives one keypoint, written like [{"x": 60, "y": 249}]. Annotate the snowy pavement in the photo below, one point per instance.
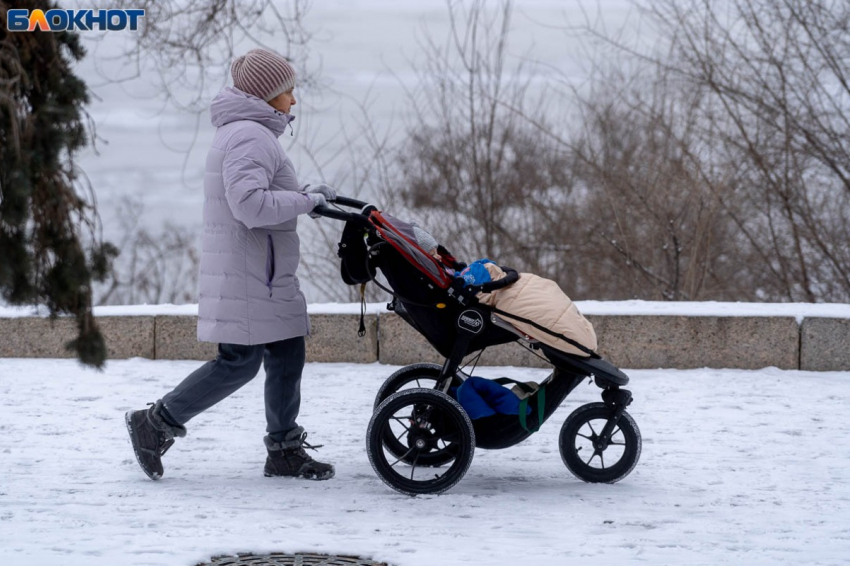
[{"x": 738, "y": 467}]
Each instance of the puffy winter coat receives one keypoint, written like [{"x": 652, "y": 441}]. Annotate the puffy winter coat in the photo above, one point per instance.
[
  {"x": 542, "y": 301},
  {"x": 249, "y": 293}
]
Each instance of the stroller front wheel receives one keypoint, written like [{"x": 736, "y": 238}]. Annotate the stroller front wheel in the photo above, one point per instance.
[
  {"x": 582, "y": 452},
  {"x": 426, "y": 422}
]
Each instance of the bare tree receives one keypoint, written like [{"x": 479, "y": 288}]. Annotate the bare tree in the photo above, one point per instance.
[
  {"x": 153, "y": 268},
  {"x": 180, "y": 57},
  {"x": 479, "y": 172},
  {"x": 190, "y": 44},
  {"x": 776, "y": 81},
  {"x": 606, "y": 204},
  {"x": 655, "y": 229}
]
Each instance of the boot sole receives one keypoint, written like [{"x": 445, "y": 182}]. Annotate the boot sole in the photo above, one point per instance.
[
  {"x": 301, "y": 476},
  {"x": 128, "y": 419}
]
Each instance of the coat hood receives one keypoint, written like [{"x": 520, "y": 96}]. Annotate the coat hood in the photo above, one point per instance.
[{"x": 231, "y": 105}]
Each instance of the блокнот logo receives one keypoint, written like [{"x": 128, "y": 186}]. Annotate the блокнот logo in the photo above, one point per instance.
[{"x": 71, "y": 20}]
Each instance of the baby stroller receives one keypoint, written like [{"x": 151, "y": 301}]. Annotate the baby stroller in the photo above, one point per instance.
[{"x": 420, "y": 440}]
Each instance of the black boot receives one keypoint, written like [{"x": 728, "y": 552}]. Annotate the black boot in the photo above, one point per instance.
[
  {"x": 288, "y": 458},
  {"x": 151, "y": 437}
]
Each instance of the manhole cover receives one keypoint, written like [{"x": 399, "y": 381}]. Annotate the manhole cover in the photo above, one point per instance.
[{"x": 290, "y": 560}]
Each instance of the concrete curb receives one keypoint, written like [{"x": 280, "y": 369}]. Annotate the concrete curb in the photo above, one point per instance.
[
  {"x": 685, "y": 342},
  {"x": 634, "y": 341},
  {"x": 825, "y": 344},
  {"x": 31, "y": 337},
  {"x": 333, "y": 339}
]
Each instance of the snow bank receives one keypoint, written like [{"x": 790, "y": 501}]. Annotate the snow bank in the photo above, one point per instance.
[
  {"x": 712, "y": 308},
  {"x": 177, "y": 310},
  {"x": 622, "y": 308}
]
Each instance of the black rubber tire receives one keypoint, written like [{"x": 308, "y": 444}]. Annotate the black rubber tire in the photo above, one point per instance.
[
  {"x": 447, "y": 418},
  {"x": 408, "y": 374},
  {"x": 629, "y": 437},
  {"x": 418, "y": 374}
]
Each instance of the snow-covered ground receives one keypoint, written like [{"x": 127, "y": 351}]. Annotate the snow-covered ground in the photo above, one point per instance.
[{"x": 738, "y": 467}]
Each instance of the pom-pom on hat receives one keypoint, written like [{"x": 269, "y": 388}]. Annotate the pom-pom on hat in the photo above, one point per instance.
[{"x": 262, "y": 73}]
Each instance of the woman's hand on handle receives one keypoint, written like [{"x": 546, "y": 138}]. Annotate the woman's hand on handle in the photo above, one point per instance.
[
  {"x": 325, "y": 190},
  {"x": 318, "y": 200},
  {"x": 321, "y": 208}
]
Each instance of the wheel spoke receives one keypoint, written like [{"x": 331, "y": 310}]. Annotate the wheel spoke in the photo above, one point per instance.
[
  {"x": 402, "y": 457},
  {"x": 615, "y": 432},
  {"x": 594, "y": 455},
  {"x": 413, "y": 469},
  {"x": 591, "y": 428},
  {"x": 403, "y": 433},
  {"x": 584, "y": 436},
  {"x": 616, "y": 444},
  {"x": 417, "y": 383},
  {"x": 401, "y": 422},
  {"x": 452, "y": 437}
]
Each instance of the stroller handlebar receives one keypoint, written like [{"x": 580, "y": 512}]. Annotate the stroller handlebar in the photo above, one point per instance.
[
  {"x": 359, "y": 217},
  {"x": 350, "y": 202}
]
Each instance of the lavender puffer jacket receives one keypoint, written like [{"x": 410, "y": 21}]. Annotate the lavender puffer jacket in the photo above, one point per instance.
[{"x": 249, "y": 293}]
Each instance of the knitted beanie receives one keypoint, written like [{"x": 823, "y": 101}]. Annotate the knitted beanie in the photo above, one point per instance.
[
  {"x": 424, "y": 239},
  {"x": 262, "y": 73}
]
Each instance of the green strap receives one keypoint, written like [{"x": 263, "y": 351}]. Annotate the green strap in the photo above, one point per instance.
[{"x": 523, "y": 409}]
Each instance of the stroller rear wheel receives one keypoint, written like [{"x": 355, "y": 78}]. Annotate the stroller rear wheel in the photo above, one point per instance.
[
  {"x": 426, "y": 422},
  {"x": 421, "y": 375},
  {"x": 583, "y": 454}
]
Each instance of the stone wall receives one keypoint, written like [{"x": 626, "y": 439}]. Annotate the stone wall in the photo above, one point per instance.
[
  {"x": 825, "y": 344},
  {"x": 635, "y": 342}
]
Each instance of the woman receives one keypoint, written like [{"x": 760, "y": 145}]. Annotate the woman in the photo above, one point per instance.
[{"x": 250, "y": 300}]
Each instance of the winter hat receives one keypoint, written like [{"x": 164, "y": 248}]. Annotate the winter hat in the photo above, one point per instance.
[
  {"x": 424, "y": 239},
  {"x": 262, "y": 73}
]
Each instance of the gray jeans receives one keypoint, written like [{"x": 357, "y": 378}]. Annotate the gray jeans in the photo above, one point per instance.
[{"x": 235, "y": 366}]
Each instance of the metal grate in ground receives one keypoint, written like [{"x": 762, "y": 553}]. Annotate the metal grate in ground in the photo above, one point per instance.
[{"x": 277, "y": 559}]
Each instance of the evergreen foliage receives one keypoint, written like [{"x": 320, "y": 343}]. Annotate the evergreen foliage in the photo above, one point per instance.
[{"x": 49, "y": 248}]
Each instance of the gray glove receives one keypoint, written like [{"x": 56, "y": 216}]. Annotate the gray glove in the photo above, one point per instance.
[
  {"x": 325, "y": 190},
  {"x": 318, "y": 200}
]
